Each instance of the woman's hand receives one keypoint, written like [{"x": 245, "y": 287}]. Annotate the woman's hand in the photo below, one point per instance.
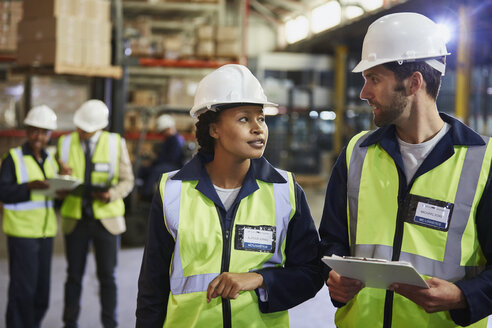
[{"x": 228, "y": 284}]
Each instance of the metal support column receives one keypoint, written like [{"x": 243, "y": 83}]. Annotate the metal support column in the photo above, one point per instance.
[
  {"x": 463, "y": 64},
  {"x": 340, "y": 96}
]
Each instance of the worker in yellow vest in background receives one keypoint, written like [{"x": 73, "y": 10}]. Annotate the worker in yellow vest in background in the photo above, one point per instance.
[
  {"x": 417, "y": 189},
  {"x": 95, "y": 216},
  {"x": 231, "y": 241},
  {"x": 29, "y": 220}
]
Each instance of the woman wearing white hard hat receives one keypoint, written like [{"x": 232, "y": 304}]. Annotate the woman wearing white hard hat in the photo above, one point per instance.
[
  {"x": 95, "y": 216},
  {"x": 169, "y": 155},
  {"x": 231, "y": 240},
  {"x": 29, "y": 220}
]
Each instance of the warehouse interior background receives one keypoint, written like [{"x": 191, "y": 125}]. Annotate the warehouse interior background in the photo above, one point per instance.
[{"x": 144, "y": 58}]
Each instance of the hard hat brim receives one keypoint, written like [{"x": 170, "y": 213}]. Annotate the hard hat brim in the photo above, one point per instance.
[
  {"x": 366, "y": 64},
  {"x": 197, "y": 110}
]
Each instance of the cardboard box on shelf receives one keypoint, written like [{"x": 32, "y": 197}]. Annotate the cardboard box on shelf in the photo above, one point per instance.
[
  {"x": 47, "y": 8},
  {"x": 96, "y": 54},
  {"x": 49, "y": 53},
  {"x": 230, "y": 49},
  {"x": 50, "y": 28},
  {"x": 95, "y": 30},
  {"x": 205, "y": 48},
  {"x": 227, "y": 33},
  {"x": 205, "y": 32},
  {"x": 145, "y": 98},
  {"x": 181, "y": 92},
  {"x": 95, "y": 9}
]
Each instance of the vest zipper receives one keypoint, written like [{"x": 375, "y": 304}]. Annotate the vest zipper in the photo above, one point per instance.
[
  {"x": 397, "y": 241},
  {"x": 226, "y": 260}
]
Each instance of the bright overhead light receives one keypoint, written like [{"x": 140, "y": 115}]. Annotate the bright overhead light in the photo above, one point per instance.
[
  {"x": 296, "y": 29},
  {"x": 352, "y": 12},
  {"x": 326, "y": 16},
  {"x": 327, "y": 115},
  {"x": 445, "y": 31},
  {"x": 270, "y": 110},
  {"x": 313, "y": 114},
  {"x": 369, "y": 5}
]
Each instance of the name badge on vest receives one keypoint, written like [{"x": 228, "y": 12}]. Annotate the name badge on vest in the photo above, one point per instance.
[
  {"x": 428, "y": 212},
  {"x": 101, "y": 167},
  {"x": 255, "y": 238}
]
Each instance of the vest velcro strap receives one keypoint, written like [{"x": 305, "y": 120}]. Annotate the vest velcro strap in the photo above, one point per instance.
[
  {"x": 25, "y": 206},
  {"x": 191, "y": 284}
]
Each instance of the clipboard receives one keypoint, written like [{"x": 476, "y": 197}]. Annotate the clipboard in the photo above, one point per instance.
[
  {"x": 83, "y": 188},
  {"x": 375, "y": 273},
  {"x": 59, "y": 182}
]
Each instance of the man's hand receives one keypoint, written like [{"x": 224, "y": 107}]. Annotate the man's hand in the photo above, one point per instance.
[
  {"x": 343, "y": 289},
  {"x": 103, "y": 196},
  {"x": 228, "y": 284},
  {"x": 38, "y": 184},
  {"x": 441, "y": 296}
]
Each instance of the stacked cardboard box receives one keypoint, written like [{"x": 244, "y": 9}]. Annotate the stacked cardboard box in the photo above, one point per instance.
[
  {"x": 228, "y": 42},
  {"x": 10, "y": 15},
  {"x": 67, "y": 32},
  {"x": 205, "y": 46}
]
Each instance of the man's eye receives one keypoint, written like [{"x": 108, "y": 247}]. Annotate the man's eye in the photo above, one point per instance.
[{"x": 261, "y": 119}]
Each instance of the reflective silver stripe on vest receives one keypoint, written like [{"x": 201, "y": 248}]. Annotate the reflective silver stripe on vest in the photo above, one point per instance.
[
  {"x": 25, "y": 206},
  {"x": 65, "y": 148},
  {"x": 448, "y": 269},
  {"x": 178, "y": 282},
  {"x": 283, "y": 207},
  {"x": 112, "y": 155},
  {"x": 353, "y": 185},
  {"x": 198, "y": 283},
  {"x": 22, "y": 166}
]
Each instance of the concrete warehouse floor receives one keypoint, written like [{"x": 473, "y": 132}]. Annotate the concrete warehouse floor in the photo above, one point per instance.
[{"x": 317, "y": 312}]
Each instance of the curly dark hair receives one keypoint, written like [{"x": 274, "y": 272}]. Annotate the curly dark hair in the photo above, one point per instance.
[
  {"x": 205, "y": 141},
  {"x": 432, "y": 77}
]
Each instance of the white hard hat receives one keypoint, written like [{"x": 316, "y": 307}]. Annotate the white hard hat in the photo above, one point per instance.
[
  {"x": 91, "y": 116},
  {"x": 41, "y": 117},
  {"x": 229, "y": 84},
  {"x": 165, "y": 122},
  {"x": 403, "y": 37}
]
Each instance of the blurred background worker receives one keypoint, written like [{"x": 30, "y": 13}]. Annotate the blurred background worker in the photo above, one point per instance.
[
  {"x": 96, "y": 216},
  {"x": 169, "y": 155},
  {"x": 29, "y": 220}
]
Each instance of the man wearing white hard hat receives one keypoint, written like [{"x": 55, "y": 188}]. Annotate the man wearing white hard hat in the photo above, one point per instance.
[
  {"x": 417, "y": 189},
  {"x": 169, "y": 155},
  {"x": 231, "y": 240},
  {"x": 96, "y": 216},
  {"x": 29, "y": 220}
]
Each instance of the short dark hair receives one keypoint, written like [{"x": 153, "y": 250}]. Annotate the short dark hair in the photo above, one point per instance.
[{"x": 432, "y": 77}]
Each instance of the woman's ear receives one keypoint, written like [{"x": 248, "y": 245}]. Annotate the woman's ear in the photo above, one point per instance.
[{"x": 212, "y": 130}]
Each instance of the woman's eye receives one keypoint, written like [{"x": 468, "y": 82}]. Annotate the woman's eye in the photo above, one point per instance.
[{"x": 243, "y": 119}]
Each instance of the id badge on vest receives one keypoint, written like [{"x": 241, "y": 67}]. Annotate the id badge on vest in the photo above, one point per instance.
[
  {"x": 428, "y": 212},
  {"x": 255, "y": 238},
  {"x": 101, "y": 167}
]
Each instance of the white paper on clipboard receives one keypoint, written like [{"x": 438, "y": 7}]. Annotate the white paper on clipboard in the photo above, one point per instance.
[
  {"x": 375, "y": 273},
  {"x": 60, "y": 182}
]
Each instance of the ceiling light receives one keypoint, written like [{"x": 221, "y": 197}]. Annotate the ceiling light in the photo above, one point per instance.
[
  {"x": 326, "y": 16},
  {"x": 369, "y": 5},
  {"x": 296, "y": 29},
  {"x": 352, "y": 12}
]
